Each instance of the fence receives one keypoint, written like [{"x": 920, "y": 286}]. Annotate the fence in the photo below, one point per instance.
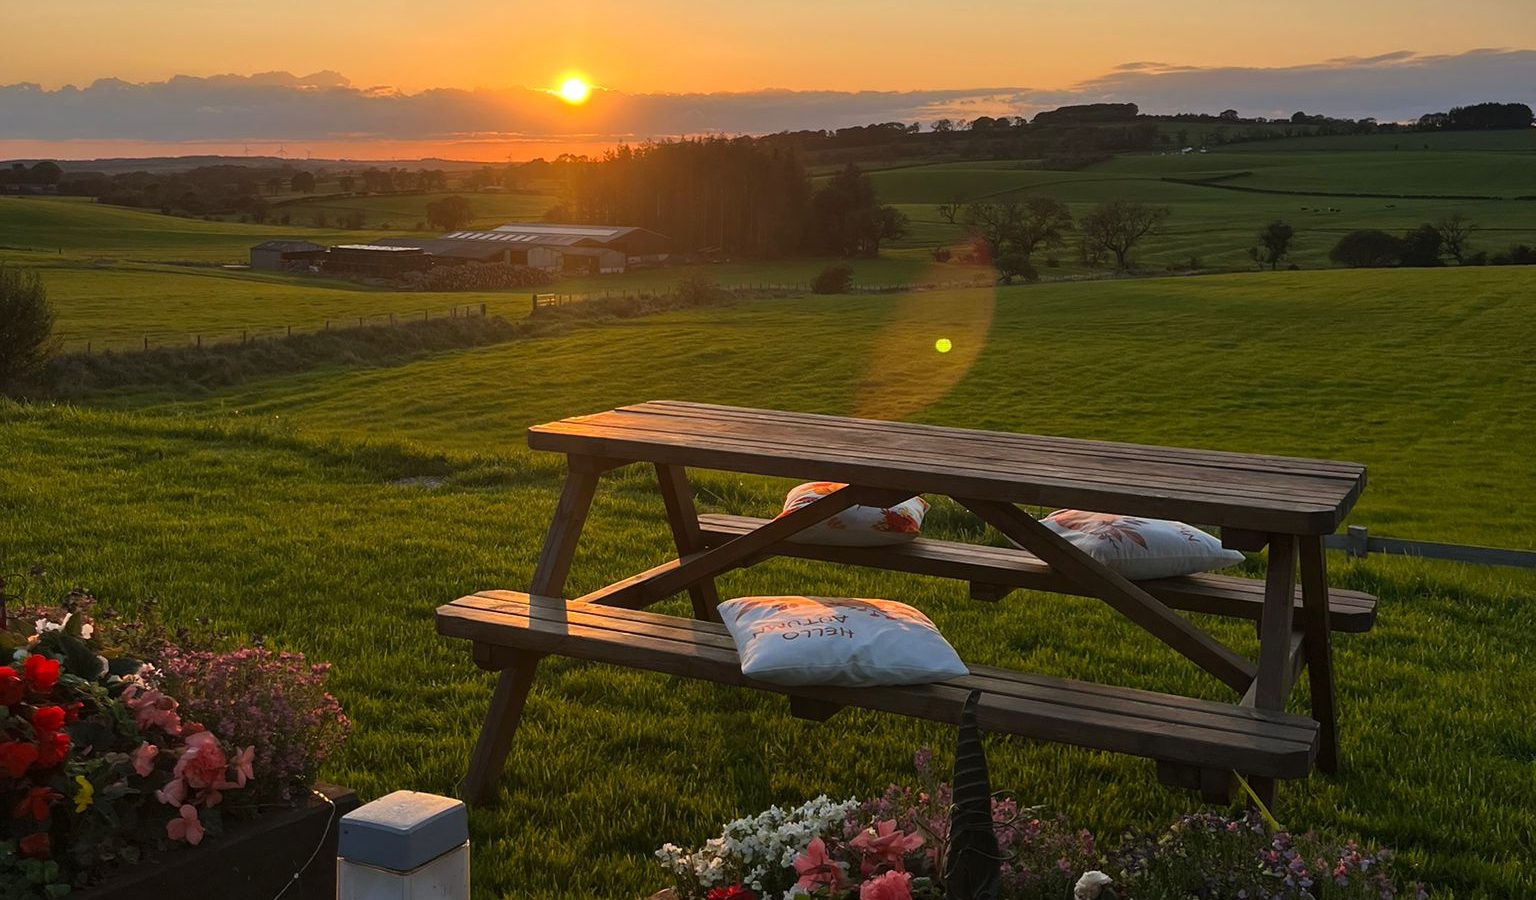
[{"x": 1358, "y": 544}]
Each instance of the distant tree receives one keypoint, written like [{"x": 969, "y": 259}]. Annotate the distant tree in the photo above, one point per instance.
[
  {"x": 1118, "y": 226},
  {"x": 45, "y": 172},
  {"x": 832, "y": 280},
  {"x": 950, "y": 211},
  {"x": 1024, "y": 226},
  {"x": 26, "y": 324},
  {"x": 1274, "y": 244},
  {"x": 1488, "y": 116},
  {"x": 346, "y": 182},
  {"x": 1229, "y": 115},
  {"x": 1014, "y": 264},
  {"x": 449, "y": 213},
  {"x": 352, "y": 220},
  {"x": 944, "y": 126},
  {"x": 1367, "y": 248},
  {"x": 274, "y": 184},
  {"x": 302, "y": 183},
  {"x": 1421, "y": 247},
  {"x": 848, "y": 218},
  {"x": 1455, "y": 230}
]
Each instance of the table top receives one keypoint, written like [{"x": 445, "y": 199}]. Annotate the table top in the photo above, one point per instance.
[{"x": 1277, "y": 494}]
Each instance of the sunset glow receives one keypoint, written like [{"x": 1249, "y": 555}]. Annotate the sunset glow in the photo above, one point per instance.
[{"x": 575, "y": 91}]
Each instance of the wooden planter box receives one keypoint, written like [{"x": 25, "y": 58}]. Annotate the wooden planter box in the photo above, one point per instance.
[{"x": 252, "y": 860}]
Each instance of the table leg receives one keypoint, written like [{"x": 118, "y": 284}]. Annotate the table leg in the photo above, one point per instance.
[
  {"x": 1273, "y": 681},
  {"x": 683, "y": 516},
  {"x": 1314, "y": 599},
  {"x": 514, "y": 682}
]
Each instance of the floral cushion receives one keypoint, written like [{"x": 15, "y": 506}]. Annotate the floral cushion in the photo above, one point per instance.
[
  {"x": 856, "y": 526},
  {"x": 832, "y": 640},
  {"x": 1141, "y": 548}
]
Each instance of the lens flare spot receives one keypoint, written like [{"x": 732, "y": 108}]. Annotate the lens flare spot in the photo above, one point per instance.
[{"x": 943, "y": 345}]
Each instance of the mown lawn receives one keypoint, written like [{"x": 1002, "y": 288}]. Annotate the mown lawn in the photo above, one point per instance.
[{"x": 271, "y": 508}]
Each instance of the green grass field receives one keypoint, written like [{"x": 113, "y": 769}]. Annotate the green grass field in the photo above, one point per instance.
[
  {"x": 405, "y": 212},
  {"x": 272, "y": 508}
]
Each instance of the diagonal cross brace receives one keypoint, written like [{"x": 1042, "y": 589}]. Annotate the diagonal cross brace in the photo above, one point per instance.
[
  {"x": 668, "y": 578},
  {"x": 1113, "y": 588}
]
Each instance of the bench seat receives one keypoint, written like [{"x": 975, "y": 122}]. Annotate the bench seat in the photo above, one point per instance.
[
  {"x": 1187, "y": 736},
  {"x": 993, "y": 571}
]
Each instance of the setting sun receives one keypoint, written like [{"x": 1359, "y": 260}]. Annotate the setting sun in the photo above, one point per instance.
[{"x": 574, "y": 90}]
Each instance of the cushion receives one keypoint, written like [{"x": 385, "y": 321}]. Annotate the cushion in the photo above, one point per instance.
[
  {"x": 856, "y": 526},
  {"x": 831, "y": 640},
  {"x": 1141, "y": 548}
]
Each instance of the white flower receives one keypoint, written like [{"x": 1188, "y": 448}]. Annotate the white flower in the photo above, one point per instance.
[
  {"x": 44, "y": 625},
  {"x": 1090, "y": 885},
  {"x": 86, "y": 631}
]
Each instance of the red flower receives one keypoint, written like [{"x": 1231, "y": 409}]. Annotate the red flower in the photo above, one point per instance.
[
  {"x": 47, "y": 719},
  {"x": 41, "y": 672},
  {"x": 52, "y": 748},
  {"x": 11, "y": 688},
  {"x": 72, "y": 711},
  {"x": 37, "y": 846},
  {"x": 734, "y": 892},
  {"x": 16, "y": 758},
  {"x": 36, "y": 803}
]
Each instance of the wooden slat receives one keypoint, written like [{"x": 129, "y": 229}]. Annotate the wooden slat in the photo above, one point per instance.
[
  {"x": 1274, "y": 676},
  {"x": 1133, "y": 722},
  {"x": 1318, "y": 619},
  {"x": 1011, "y": 568},
  {"x": 1237, "y": 490},
  {"x": 683, "y": 518}
]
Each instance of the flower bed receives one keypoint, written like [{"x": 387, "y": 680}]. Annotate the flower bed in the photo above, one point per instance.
[
  {"x": 120, "y": 740},
  {"x": 893, "y": 847}
]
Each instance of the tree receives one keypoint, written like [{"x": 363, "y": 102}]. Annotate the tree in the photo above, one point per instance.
[
  {"x": 45, "y": 172},
  {"x": 950, "y": 211},
  {"x": 1367, "y": 248},
  {"x": 1118, "y": 226},
  {"x": 1228, "y": 115},
  {"x": 847, "y": 216},
  {"x": 450, "y": 213},
  {"x": 1276, "y": 242},
  {"x": 26, "y": 324},
  {"x": 302, "y": 183},
  {"x": 274, "y": 184},
  {"x": 1421, "y": 247},
  {"x": 1012, "y": 230},
  {"x": 944, "y": 126},
  {"x": 1015, "y": 264},
  {"x": 1454, "y": 230},
  {"x": 346, "y": 182}
]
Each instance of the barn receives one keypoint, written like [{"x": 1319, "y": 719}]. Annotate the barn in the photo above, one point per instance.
[{"x": 269, "y": 255}]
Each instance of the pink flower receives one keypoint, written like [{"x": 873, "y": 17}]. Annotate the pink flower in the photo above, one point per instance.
[
  {"x": 883, "y": 845},
  {"x": 889, "y": 886},
  {"x": 152, "y": 708},
  {"x": 144, "y": 759},
  {"x": 816, "y": 868},
  {"x": 244, "y": 763},
  {"x": 173, "y": 794},
  {"x": 203, "y": 763},
  {"x": 185, "y": 827}
]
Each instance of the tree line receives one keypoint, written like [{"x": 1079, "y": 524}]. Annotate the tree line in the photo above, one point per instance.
[
  {"x": 1008, "y": 233},
  {"x": 730, "y": 197}
]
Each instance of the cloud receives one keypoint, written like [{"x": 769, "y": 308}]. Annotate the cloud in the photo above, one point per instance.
[{"x": 326, "y": 106}]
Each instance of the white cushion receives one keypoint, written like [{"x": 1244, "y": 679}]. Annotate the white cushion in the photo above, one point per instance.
[
  {"x": 1141, "y": 548},
  {"x": 856, "y": 526},
  {"x": 831, "y": 640}
]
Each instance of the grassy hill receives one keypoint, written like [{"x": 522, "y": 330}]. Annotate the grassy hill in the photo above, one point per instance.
[
  {"x": 275, "y": 508},
  {"x": 405, "y": 212}
]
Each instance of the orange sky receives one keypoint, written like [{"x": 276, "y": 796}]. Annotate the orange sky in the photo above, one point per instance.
[{"x": 685, "y": 45}]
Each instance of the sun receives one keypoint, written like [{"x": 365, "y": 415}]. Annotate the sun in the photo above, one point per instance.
[{"x": 574, "y": 91}]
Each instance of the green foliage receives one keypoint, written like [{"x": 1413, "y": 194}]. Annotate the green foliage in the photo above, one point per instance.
[
  {"x": 832, "y": 280},
  {"x": 1118, "y": 226},
  {"x": 1367, "y": 248},
  {"x": 26, "y": 324},
  {"x": 451, "y": 213},
  {"x": 1275, "y": 241},
  {"x": 847, "y": 218}
]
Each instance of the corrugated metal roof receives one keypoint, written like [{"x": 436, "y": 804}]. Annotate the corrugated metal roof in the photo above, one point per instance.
[
  {"x": 288, "y": 245},
  {"x": 378, "y": 248}
]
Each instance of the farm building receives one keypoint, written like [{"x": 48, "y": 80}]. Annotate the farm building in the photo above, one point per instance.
[
  {"x": 270, "y": 255},
  {"x": 376, "y": 260},
  {"x": 565, "y": 248}
]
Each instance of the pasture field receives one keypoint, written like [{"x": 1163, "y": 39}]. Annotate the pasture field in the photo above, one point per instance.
[
  {"x": 274, "y": 507},
  {"x": 1217, "y": 225},
  {"x": 404, "y": 212}
]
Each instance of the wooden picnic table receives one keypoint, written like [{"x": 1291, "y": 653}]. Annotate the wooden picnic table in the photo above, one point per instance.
[{"x": 1283, "y": 503}]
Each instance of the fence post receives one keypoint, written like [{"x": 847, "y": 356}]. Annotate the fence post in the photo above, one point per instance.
[
  {"x": 327, "y": 324},
  {"x": 199, "y": 342},
  {"x": 146, "y": 342},
  {"x": 404, "y": 844},
  {"x": 290, "y": 331},
  {"x": 87, "y": 348},
  {"x": 244, "y": 336},
  {"x": 482, "y": 310},
  {"x": 1358, "y": 542},
  {"x": 391, "y": 318},
  {"x": 359, "y": 321}
]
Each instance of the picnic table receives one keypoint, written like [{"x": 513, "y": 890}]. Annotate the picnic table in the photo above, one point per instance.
[{"x": 1283, "y": 504}]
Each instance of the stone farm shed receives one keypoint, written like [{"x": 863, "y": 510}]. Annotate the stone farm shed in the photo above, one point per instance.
[{"x": 269, "y": 255}]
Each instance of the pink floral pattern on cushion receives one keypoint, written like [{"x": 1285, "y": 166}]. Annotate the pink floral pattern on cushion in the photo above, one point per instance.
[
  {"x": 857, "y": 525},
  {"x": 1141, "y": 548}
]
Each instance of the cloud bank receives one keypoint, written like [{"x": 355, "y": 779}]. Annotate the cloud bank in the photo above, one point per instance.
[{"x": 326, "y": 106}]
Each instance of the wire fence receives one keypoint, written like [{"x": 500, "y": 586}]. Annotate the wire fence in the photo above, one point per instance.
[
  {"x": 150, "y": 339},
  {"x": 1358, "y": 543}
]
